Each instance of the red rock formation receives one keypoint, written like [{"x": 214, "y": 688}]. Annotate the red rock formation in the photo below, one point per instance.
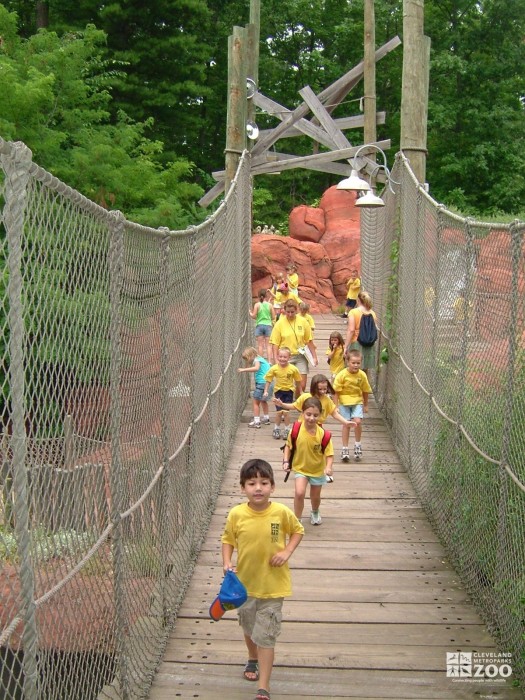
[{"x": 323, "y": 243}]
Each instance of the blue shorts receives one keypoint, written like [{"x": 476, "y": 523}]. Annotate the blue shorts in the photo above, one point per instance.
[
  {"x": 262, "y": 330},
  {"x": 349, "y": 412},
  {"x": 351, "y": 303},
  {"x": 312, "y": 480},
  {"x": 285, "y": 396},
  {"x": 259, "y": 391}
]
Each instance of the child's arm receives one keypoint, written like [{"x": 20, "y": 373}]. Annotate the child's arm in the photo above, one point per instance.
[
  {"x": 282, "y": 557},
  {"x": 253, "y": 312},
  {"x": 253, "y": 368},
  {"x": 328, "y": 470},
  {"x": 365, "y": 401},
  {"x": 272, "y": 293},
  {"x": 281, "y": 404},
  {"x": 286, "y": 459},
  {"x": 298, "y": 389},
  {"x": 227, "y": 553}
]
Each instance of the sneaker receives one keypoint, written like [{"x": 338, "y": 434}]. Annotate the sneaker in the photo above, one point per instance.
[
  {"x": 254, "y": 424},
  {"x": 358, "y": 452},
  {"x": 284, "y": 433},
  {"x": 276, "y": 433},
  {"x": 315, "y": 518},
  {"x": 345, "y": 454},
  {"x": 265, "y": 421}
]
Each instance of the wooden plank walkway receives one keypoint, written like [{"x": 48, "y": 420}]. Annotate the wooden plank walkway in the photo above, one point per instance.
[{"x": 376, "y": 605}]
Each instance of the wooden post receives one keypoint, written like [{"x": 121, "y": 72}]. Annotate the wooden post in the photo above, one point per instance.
[
  {"x": 236, "y": 115},
  {"x": 369, "y": 76},
  {"x": 252, "y": 62},
  {"x": 414, "y": 98}
]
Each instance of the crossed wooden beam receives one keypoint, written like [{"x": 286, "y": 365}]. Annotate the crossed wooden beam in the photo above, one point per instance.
[{"x": 322, "y": 128}]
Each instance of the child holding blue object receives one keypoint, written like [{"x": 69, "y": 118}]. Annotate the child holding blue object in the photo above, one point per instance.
[
  {"x": 265, "y": 535},
  {"x": 260, "y": 365}
]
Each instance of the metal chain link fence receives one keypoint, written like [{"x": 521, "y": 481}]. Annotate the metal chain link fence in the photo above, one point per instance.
[
  {"x": 120, "y": 402},
  {"x": 450, "y": 380}
]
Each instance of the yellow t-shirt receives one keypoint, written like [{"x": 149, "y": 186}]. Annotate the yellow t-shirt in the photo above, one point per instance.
[
  {"x": 310, "y": 320},
  {"x": 337, "y": 363},
  {"x": 257, "y": 536},
  {"x": 327, "y": 406},
  {"x": 353, "y": 286},
  {"x": 291, "y": 335},
  {"x": 293, "y": 282},
  {"x": 308, "y": 458},
  {"x": 350, "y": 387},
  {"x": 285, "y": 377}
]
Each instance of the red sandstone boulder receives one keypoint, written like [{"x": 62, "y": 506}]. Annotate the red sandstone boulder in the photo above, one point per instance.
[{"x": 323, "y": 243}]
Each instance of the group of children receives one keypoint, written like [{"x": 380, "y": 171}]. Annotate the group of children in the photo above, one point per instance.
[{"x": 263, "y": 533}]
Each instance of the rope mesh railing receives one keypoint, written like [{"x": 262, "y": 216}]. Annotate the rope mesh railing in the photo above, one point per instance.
[
  {"x": 120, "y": 401},
  {"x": 450, "y": 380}
]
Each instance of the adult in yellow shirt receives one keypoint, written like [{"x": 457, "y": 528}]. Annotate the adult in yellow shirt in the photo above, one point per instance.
[{"x": 294, "y": 332}]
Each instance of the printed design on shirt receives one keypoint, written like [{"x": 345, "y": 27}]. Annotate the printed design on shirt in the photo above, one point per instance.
[{"x": 275, "y": 528}]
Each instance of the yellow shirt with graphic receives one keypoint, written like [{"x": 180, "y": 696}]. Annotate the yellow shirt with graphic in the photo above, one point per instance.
[
  {"x": 350, "y": 387},
  {"x": 285, "y": 377},
  {"x": 337, "y": 363},
  {"x": 257, "y": 536},
  {"x": 309, "y": 459},
  {"x": 327, "y": 406},
  {"x": 291, "y": 335}
]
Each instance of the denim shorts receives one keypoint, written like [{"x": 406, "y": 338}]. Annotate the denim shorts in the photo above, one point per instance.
[
  {"x": 260, "y": 619},
  {"x": 259, "y": 391},
  {"x": 312, "y": 480},
  {"x": 262, "y": 330},
  {"x": 349, "y": 412}
]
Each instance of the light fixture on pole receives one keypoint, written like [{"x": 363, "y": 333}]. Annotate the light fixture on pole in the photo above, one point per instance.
[
  {"x": 357, "y": 184},
  {"x": 354, "y": 182}
]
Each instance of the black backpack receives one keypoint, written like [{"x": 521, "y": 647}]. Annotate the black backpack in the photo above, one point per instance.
[{"x": 367, "y": 331}]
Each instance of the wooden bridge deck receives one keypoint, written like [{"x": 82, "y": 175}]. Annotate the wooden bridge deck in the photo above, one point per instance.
[{"x": 376, "y": 605}]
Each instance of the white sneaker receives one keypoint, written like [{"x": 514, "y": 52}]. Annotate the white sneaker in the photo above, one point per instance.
[
  {"x": 276, "y": 433},
  {"x": 315, "y": 518},
  {"x": 345, "y": 454},
  {"x": 265, "y": 421},
  {"x": 284, "y": 433},
  {"x": 358, "y": 452},
  {"x": 254, "y": 424}
]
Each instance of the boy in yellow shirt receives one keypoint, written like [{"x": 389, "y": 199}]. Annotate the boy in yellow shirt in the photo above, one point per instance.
[
  {"x": 287, "y": 382},
  {"x": 352, "y": 389},
  {"x": 353, "y": 287},
  {"x": 265, "y": 535}
]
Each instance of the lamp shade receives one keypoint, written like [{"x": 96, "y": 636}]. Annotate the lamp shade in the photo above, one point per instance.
[
  {"x": 354, "y": 182},
  {"x": 369, "y": 200}
]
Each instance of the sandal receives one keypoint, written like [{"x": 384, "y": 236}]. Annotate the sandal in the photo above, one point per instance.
[
  {"x": 252, "y": 667},
  {"x": 262, "y": 694}
]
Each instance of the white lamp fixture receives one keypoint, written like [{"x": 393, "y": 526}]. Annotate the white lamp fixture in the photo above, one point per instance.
[
  {"x": 354, "y": 182},
  {"x": 369, "y": 200}
]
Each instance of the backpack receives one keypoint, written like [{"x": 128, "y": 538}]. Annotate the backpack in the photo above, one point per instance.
[
  {"x": 327, "y": 436},
  {"x": 367, "y": 331}
]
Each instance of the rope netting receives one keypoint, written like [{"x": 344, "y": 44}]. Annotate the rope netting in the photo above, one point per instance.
[
  {"x": 449, "y": 293},
  {"x": 120, "y": 402}
]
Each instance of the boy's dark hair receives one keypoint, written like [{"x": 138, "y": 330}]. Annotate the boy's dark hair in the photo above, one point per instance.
[
  {"x": 320, "y": 379},
  {"x": 312, "y": 401},
  {"x": 256, "y": 467}
]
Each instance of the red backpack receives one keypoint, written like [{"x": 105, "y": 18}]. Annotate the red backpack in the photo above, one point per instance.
[{"x": 327, "y": 436}]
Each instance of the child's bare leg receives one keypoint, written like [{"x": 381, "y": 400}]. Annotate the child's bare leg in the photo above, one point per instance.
[
  {"x": 260, "y": 345},
  {"x": 357, "y": 430},
  {"x": 345, "y": 435},
  {"x": 303, "y": 383},
  {"x": 265, "y": 409},
  {"x": 266, "y": 656},
  {"x": 300, "y": 492},
  {"x": 256, "y": 408},
  {"x": 278, "y": 416},
  {"x": 286, "y": 418},
  {"x": 315, "y": 496},
  {"x": 253, "y": 651}
]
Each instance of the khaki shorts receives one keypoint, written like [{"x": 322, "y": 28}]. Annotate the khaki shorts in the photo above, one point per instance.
[{"x": 260, "y": 619}]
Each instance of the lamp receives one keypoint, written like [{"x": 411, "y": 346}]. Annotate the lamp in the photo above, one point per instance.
[
  {"x": 357, "y": 184},
  {"x": 369, "y": 200},
  {"x": 354, "y": 182}
]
